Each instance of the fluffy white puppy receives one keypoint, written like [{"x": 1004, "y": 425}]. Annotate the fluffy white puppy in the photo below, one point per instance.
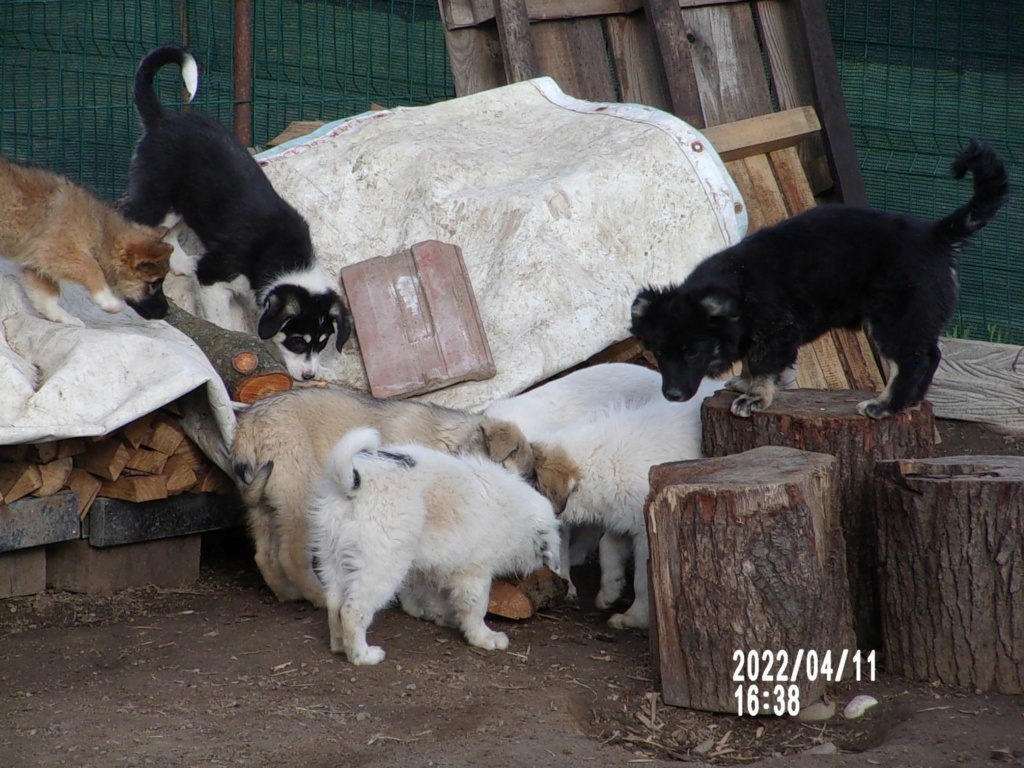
[
  {"x": 413, "y": 515},
  {"x": 567, "y": 400},
  {"x": 599, "y": 470}
]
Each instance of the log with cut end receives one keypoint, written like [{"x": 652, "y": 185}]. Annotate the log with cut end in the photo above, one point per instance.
[
  {"x": 951, "y": 551},
  {"x": 248, "y": 370},
  {"x": 747, "y": 555},
  {"x": 828, "y": 422}
]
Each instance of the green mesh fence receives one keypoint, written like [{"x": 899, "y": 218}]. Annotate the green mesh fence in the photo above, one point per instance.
[
  {"x": 921, "y": 77},
  {"x": 66, "y": 69}
]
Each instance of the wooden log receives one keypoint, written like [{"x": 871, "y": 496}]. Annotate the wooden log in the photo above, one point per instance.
[
  {"x": 514, "y": 36},
  {"x": 17, "y": 480},
  {"x": 54, "y": 476},
  {"x": 138, "y": 430},
  {"x": 223, "y": 347},
  {"x": 87, "y": 486},
  {"x": 135, "y": 488},
  {"x": 951, "y": 551},
  {"x": 828, "y": 422},
  {"x": 747, "y": 555},
  {"x": 166, "y": 435},
  {"x": 146, "y": 462},
  {"x": 179, "y": 474},
  {"x": 105, "y": 459}
]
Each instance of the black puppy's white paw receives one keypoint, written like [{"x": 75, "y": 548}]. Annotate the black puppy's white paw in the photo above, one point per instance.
[
  {"x": 746, "y": 404},
  {"x": 875, "y": 409}
]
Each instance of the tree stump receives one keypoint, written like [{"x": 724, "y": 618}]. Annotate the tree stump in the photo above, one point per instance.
[
  {"x": 747, "y": 555},
  {"x": 951, "y": 555},
  {"x": 827, "y": 422}
]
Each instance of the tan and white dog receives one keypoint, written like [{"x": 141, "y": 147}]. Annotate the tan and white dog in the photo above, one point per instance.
[
  {"x": 598, "y": 469},
  {"x": 281, "y": 444},
  {"x": 56, "y": 231},
  {"x": 383, "y": 517}
]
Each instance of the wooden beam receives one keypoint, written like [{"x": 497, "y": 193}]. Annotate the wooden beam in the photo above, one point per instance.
[
  {"x": 831, "y": 106},
  {"x": 458, "y": 14},
  {"x": 516, "y": 44},
  {"x": 759, "y": 135},
  {"x": 672, "y": 43}
]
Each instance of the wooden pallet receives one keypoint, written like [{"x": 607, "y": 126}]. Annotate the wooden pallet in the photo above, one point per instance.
[{"x": 703, "y": 60}]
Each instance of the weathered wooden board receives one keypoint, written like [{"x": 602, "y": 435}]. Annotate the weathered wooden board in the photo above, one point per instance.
[
  {"x": 34, "y": 522},
  {"x": 980, "y": 381},
  {"x": 112, "y": 522}
]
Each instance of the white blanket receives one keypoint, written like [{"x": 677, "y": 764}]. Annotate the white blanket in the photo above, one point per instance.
[{"x": 562, "y": 208}]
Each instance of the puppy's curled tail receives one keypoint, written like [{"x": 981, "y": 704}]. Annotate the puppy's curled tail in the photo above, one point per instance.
[
  {"x": 990, "y": 189},
  {"x": 146, "y": 101},
  {"x": 338, "y": 469}
]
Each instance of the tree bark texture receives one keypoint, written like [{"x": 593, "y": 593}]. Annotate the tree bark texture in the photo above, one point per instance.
[
  {"x": 747, "y": 554},
  {"x": 827, "y": 422},
  {"x": 951, "y": 555},
  {"x": 242, "y": 361}
]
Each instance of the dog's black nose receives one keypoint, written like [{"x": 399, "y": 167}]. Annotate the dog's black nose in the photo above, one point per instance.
[
  {"x": 307, "y": 375},
  {"x": 673, "y": 394}
]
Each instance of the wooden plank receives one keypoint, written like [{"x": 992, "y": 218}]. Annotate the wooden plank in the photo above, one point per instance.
[
  {"x": 830, "y": 104},
  {"x": 727, "y": 63},
  {"x": 23, "y": 572},
  {"x": 765, "y": 133},
  {"x": 574, "y": 54},
  {"x": 764, "y": 188},
  {"x": 638, "y": 70},
  {"x": 980, "y": 381},
  {"x": 792, "y": 80},
  {"x": 673, "y": 48},
  {"x": 789, "y": 172},
  {"x": 518, "y": 54},
  {"x": 470, "y": 13},
  {"x": 808, "y": 372},
  {"x": 113, "y": 522},
  {"x": 474, "y": 56},
  {"x": 34, "y": 522}
]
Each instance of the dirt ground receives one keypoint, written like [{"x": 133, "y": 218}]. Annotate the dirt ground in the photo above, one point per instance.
[{"x": 222, "y": 674}]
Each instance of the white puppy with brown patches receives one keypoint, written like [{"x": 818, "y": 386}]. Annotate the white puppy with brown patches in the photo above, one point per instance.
[{"x": 410, "y": 515}]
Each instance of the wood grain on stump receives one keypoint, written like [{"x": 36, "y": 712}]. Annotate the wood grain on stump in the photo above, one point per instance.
[
  {"x": 746, "y": 554},
  {"x": 951, "y": 555},
  {"x": 827, "y": 422}
]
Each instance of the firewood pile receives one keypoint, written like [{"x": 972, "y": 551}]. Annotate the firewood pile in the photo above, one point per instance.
[{"x": 151, "y": 458}]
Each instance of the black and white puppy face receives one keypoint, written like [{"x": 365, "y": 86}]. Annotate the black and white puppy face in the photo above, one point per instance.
[
  {"x": 690, "y": 335},
  {"x": 298, "y": 324}
]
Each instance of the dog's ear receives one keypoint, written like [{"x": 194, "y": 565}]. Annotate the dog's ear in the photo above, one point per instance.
[
  {"x": 507, "y": 445},
  {"x": 277, "y": 310},
  {"x": 342, "y": 320},
  {"x": 558, "y": 477},
  {"x": 719, "y": 305}
]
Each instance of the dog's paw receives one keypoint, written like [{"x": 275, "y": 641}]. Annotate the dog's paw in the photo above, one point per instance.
[
  {"x": 738, "y": 384},
  {"x": 108, "y": 302},
  {"x": 875, "y": 409},
  {"x": 488, "y": 640},
  {"x": 372, "y": 654},
  {"x": 628, "y": 621},
  {"x": 609, "y": 593},
  {"x": 744, "y": 405},
  {"x": 571, "y": 595}
]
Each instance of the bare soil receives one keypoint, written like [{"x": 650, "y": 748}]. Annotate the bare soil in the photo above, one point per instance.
[{"x": 222, "y": 674}]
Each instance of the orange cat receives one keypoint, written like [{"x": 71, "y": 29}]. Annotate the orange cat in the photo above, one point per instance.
[{"x": 55, "y": 230}]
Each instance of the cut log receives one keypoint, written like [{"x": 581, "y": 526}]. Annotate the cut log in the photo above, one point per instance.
[
  {"x": 17, "y": 480},
  {"x": 165, "y": 436},
  {"x": 87, "y": 486},
  {"x": 951, "y": 551},
  {"x": 222, "y": 348},
  {"x": 508, "y": 602},
  {"x": 105, "y": 459},
  {"x": 138, "y": 488},
  {"x": 139, "y": 430},
  {"x": 54, "y": 476},
  {"x": 828, "y": 422},
  {"x": 146, "y": 462},
  {"x": 747, "y": 555},
  {"x": 180, "y": 475}
]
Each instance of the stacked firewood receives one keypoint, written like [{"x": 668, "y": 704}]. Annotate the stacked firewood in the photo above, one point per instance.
[{"x": 149, "y": 459}]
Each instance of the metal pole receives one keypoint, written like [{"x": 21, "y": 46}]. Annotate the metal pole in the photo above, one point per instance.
[{"x": 243, "y": 71}]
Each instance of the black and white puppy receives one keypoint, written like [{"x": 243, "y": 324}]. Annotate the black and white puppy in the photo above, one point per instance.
[
  {"x": 832, "y": 266},
  {"x": 257, "y": 245}
]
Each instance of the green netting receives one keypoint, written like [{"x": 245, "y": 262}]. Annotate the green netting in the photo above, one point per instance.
[
  {"x": 66, "y": 70},
  {"x": 921, "y": 77}
]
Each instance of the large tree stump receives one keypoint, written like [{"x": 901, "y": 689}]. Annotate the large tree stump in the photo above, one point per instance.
[
  {"x": 951, "y": 552},
  {"x": 747, "y": 555},
  {"x": 827, "y": 422}
]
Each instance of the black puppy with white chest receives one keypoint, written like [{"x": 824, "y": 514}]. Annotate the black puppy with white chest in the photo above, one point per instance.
[
  {"x": 832, "y": 266},
  {"x": 189, "y": 163}
]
